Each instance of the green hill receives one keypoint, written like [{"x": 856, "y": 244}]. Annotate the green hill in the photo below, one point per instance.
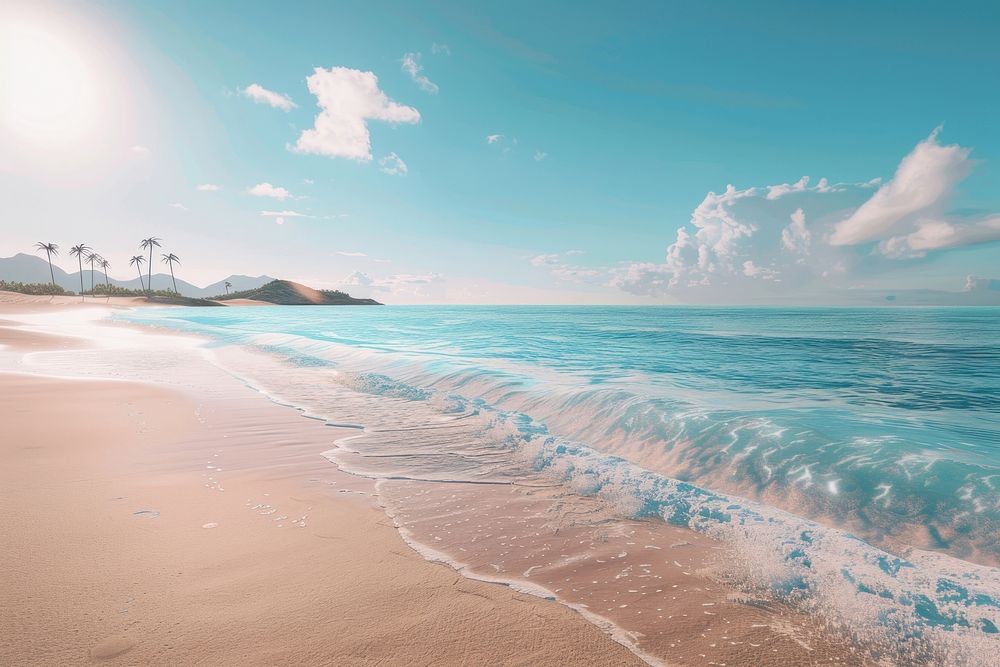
[{"x": 287, "y": 293}]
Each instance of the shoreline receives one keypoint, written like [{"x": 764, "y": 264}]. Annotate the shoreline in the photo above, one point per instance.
[
  {"x": 210, "y": 579},
  {"x": 748, "y": 621}
]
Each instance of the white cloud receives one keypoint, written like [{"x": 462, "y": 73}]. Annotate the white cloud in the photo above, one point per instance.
[
  {"x": 922, "y": 186},
  {"x": 908, "y": 215},
  {"x": 358, "y": 278},
  {"x": 493, "y": 138},
  {"x": 208, "y": 187},
  {"x": 262, "y": 95},
  {"x": 411, "y": 65},
  {"x": 351, "y": 254},
  {"x": 539, "y": 156},
  {"x": 347, "y": 99},
  {"x": 575, "y": 252},
  {"x": 268, "y": 190},
  {"x": 796, "y": 237},
  {"x": 393, "y": 165},
  {"x": 545, "y": 260},
  {"x": 308, "y": 181},
  {"x": 179, "y": 206},
  {"x": 280, "y": 216},
  {"x": 751, "y": 270},
  {"x": 440, "y": 49},
  {"x": 802, "y": 185}
]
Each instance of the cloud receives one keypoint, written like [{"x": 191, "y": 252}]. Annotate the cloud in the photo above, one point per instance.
[
  {"x": 208, "y": 187},
  {"x": 802, "y": 185},
  {"x": 268, "y": 190},
  {"x": 561, "y": 270},
  {"x": 539, "y": 156},
  {"x": 921, "y": 187},
  {"x": 280, "y": 216},
  {"x": 351, "y": 254},
  {"x": 393, "y": 165},
  {"x": 308, "y": 181},
  {"x": 262, "y": 95},
  {"x": 179, "y": 206},
  {"x": 544, "y": 260},
  {"x": 348, "y": 98},
  {"x": 440, "y": 49},
  {"x": 493, "y": 138},
  {"x": 908, "y": 216},
  {"x": 751, "y": 270},
  {"x": 411, "y": 65},
  {"x": 744, "y": 236},
  {"x": 358, "y": 278},
  {"x": 795, "y": 237}
]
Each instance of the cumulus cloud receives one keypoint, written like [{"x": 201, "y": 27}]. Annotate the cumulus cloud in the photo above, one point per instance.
[
  {"x": 348, "y": 99},
  {"x": 539, "y": 156},
  {"x": 179, "y": 206},
  {"x": 493, "y": 138},
  {"x": 411, "y": 65},
  {"x": 746, "y": 236},
  {"x": 262, "y": 95},
  {"x": 393, "y": 165},
  {"x": 268, "y": 190},
  {"x": 440, "y": 49},
  {"x": 796, "y": 237},
  {"x": 208, "y": 187}
]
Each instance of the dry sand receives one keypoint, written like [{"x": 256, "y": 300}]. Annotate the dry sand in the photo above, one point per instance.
[
  {"x": 142, "y": 525},
  {"x": 176, "y": 516}
]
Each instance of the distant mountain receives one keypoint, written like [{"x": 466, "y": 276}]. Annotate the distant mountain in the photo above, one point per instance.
[
  {"x": 31, "y": 269},
  {"x": 287, "y": 293}
]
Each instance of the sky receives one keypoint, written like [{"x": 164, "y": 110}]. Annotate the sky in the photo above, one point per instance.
[{"x": 516, "y": 152}]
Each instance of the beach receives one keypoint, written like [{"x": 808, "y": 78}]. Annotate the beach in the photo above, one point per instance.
[
  {"x": 174, "y": 496},
  {"x": 126, "y": 543}
]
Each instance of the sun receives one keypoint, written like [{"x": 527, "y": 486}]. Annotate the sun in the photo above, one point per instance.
[{"x": 49, "y": 92}]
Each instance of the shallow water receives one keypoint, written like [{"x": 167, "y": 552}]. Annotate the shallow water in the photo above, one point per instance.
[{"x": 777, "y": 431}]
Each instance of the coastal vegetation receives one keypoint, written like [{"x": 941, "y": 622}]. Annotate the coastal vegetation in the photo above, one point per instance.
[
  {"x": 279, "y": 292},
  {"x": 40, "y": 289},
  {"x": 288, "y": 293}
]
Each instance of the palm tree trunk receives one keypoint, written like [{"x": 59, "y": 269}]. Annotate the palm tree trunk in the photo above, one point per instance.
[
  {"x": 107, "y": 284},
  {"x": 51, "y": 273},
  {"x": 79, "y": 260},
  {"x": 92, "y": 278},
  {"x": 141, "y": 284},
  {"x": 149, "y": 277},
  {"x": 174, "y": 280}
]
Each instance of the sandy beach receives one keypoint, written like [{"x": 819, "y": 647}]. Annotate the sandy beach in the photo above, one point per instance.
[{"x": 149, "y": 525}]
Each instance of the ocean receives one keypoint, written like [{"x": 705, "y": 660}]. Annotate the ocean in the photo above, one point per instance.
[{"x": 852, "y": 454}]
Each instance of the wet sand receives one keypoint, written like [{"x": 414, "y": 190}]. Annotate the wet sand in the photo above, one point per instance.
[
  {"x": 175, "y": 515},
  {"x": 145, "y": 525}
]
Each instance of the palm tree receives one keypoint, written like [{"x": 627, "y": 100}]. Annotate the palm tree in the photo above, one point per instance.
[
  {"x": 137, "y": 261},
  {"x": 170, "y": 259},
  {"x": 107, "y": 283},
  {"x": 150, "y": 243},
  {"x": 228, "y": 285},
  {"x": 50, "y": 249},
  {"x": 92, "y": 258},
  {"x": 80, "y": 251},
  {"x": 104, "y": 265}
]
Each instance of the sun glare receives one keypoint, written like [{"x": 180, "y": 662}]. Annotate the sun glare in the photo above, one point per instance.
[{"x": 49, "y": 92}]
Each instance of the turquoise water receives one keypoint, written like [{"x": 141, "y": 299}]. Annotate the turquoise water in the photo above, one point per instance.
[{"x": 882, "y": 422}]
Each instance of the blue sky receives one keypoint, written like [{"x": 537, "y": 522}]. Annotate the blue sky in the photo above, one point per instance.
[{"x": 613, "y": 124}]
